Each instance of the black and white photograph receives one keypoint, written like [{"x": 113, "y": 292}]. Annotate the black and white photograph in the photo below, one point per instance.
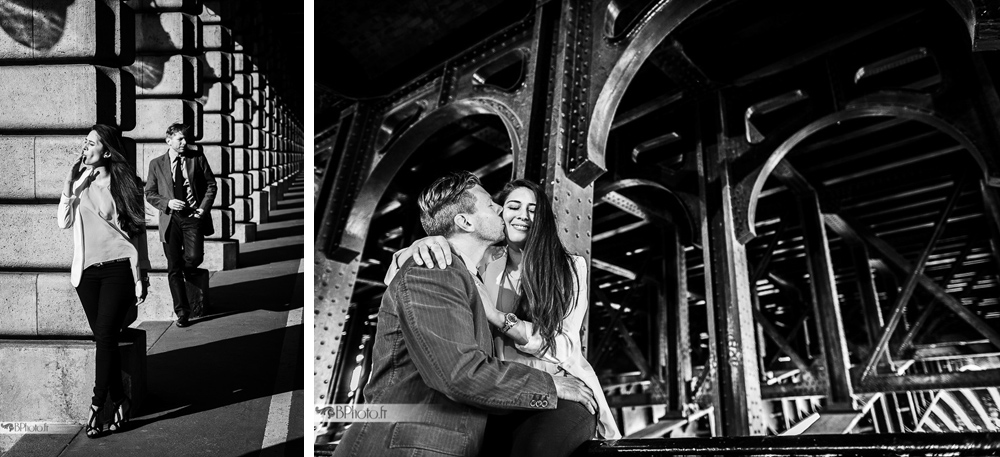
[
  {"x": 684, "y": 227},
  {"x": 152, "y": 228},
  {"x": 543, "y": 228}
]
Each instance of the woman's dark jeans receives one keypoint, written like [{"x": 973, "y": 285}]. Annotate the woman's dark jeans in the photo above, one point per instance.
[{"x": 107, "y": 292}]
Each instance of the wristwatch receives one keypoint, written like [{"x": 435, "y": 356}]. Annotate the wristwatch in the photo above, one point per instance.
[{"x": 509, "y": 321}]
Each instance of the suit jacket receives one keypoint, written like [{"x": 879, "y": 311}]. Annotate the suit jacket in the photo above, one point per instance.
[
  {"x": 160, "y": 189},
  {"x": 70, "y": 214},
  {"x": 433, "y": 347}
]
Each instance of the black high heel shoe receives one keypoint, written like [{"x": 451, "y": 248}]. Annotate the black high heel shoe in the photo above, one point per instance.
[
  {"x": 93, "y": 428},
  {"x": 122, "y": 410}
]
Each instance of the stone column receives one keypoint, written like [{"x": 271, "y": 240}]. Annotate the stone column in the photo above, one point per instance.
[
  {"x": 170, "y": 61},
  {"x": 249, "y": 123},
  {"x": 217, "y": 121},
  {"x": 266, "y": 143},
  {"x": 242, "y": 109},
  {"x": 61, "y": 73}
]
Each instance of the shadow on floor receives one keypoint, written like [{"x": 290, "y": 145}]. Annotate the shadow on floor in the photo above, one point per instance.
[
  {"x": 290, "y": 204},
  {"x": 269, "y": 251},
  {"x": 275, "y": 230},
  {"x": 210, "y": 376},
  {"x": 281, "y": 215},
  {"x": 292, "y": 448},
  {"x": 267, "y": 287}
]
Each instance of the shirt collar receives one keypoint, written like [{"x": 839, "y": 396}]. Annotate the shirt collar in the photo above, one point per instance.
[{"x": 472, "y": 271}]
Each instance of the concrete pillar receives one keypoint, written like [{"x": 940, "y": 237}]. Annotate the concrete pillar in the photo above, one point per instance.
[
  {"x": 243, "y": 109},
  {"x": 47, "y": 106},
  {"x": 217, "y": 123},
  {"x": 256, "y": 104},
  {"x": 248, "y": 105},
  {"x": 169, "y": 67}
]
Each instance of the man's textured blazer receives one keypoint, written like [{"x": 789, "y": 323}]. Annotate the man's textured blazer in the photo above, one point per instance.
[
  {"x": 160, "y": 189},
  {"x": 433, "y": 347}
]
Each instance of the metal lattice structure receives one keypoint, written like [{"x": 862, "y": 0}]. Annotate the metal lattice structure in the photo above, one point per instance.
[{"x": 790, "y": 209}]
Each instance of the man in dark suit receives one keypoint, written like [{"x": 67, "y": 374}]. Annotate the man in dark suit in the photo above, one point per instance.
[
  {"x": 181, "y": 185},
  {"x": 433, "y": 347}
]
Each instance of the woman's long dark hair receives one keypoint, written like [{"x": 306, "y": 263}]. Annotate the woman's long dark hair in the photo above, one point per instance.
[
  {"x": 124, "y": 189},
  {"x": 547, "y": 270}
]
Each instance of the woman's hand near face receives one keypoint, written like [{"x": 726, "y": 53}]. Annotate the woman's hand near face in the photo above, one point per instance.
[{"x": 75, "y": 170}]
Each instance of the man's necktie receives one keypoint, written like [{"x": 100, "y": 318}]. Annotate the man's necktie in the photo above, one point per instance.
[
  {"x": 182, "y": 186},
  {"x": 179, "y": 191}
]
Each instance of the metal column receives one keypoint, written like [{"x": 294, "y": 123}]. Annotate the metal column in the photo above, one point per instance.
[{"x": 733, "y": 354}]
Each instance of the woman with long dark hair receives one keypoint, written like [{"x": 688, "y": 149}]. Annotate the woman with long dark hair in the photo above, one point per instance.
[
  {"x": 102, "y": 202},
  {"x": 539, "y": 300}
]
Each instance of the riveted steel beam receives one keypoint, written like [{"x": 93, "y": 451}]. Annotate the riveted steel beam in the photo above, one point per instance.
[
  {"x": 556, "y": 156},
  {"x": 928, "y": 382},
  {"x": 334, "y": 283},
  {"x": 615, "y": 61},
  {"x": 882, "y": 445},
  {"x": 733, "y": 348},
  {"x": 867, "y": 292},
  {"x": 675, "y": 298},
  {"x": 334, "y": 278},
  {"x": 570, "y": 105},
  {"x": 342, "y": 179},
  {"x": 826, "y": 305}
]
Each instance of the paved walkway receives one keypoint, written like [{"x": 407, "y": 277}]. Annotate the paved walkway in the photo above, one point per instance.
[{"x": 231, "y": 383}]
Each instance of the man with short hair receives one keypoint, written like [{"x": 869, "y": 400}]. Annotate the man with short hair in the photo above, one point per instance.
[
  {"x": 181, "y": 185},
  {"x": 433, "y": 346}
]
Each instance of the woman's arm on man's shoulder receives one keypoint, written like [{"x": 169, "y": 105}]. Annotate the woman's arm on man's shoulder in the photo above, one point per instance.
[{"x": 429, "y": 251}]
